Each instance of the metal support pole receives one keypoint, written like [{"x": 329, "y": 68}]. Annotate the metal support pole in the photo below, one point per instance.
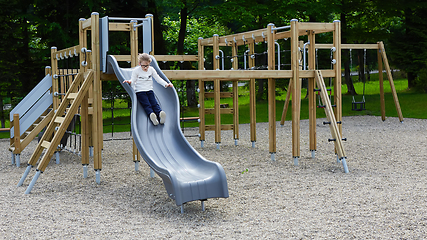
[
  {"x": 136, "y": 166},
  {"x": 57, "y": 157},
  {"x": 203, "y": 205},
  {"x": 98, "y": 176},
  {"x": 18, "y": 160},
  {"x": 296, "y": 161},
  {"x": 30, "y": 187},
  {"x": 85, "y": 171},
  {"x": 24, "y": 175}
]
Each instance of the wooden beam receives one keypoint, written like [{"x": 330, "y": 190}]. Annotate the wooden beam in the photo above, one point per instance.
[
  {"x": 271, "y": 90},
  {"x": 221, "y": 110},
  {"x": 311, "y": 94},
  {"x": 381, "y": 81},
  {"x": 337, "y": 79},
  {"x": 295, "y": 88},
  {"x": 390, "y": 79},
  {"x": 217, "y": 88},
  {"x": 87, "y": 24},
  {"x": 201, "y": 66},
  {"x": 347, "y": 46},
  {"x": 222, "y": 127},
  {"x": 123, "y": 58},
  {"x": 176, "y": 58},
  {"x": 240, "y": 38},
  {"x": 120, "y": 27},
  {"x": 240, "y": 75},
  {"x": 252, "y": 96},
  {"x": 17, "y": 134},
  {"x": 67, "y": 52},
  {"x": 315, "y": 26}
]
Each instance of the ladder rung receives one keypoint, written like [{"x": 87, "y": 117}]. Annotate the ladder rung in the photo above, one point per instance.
[
  {"x": 28, "y": 132},
  {"x": 59, "y": 120},
  {"x": 72, "y": 95},
  {"x": 45, "y": 144}
]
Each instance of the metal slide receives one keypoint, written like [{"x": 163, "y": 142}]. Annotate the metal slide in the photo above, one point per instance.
[{"x": 187, "y": 175}]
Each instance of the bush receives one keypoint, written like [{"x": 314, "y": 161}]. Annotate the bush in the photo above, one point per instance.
[{"x": 421, "y": 81}]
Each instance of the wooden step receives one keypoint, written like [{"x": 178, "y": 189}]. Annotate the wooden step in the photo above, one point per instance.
[
  {"x": 59, "y": 119},
  {"x": 45, "y": 144},
  {"x": 72, "y": 95}
]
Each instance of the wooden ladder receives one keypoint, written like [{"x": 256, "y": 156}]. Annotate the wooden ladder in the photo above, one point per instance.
[
  {"x": 333, "y": 125},
  {"x": 58, "y": 125}
]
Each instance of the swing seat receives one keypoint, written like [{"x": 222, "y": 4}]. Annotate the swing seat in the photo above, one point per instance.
[{"x": 358, "y": 106}]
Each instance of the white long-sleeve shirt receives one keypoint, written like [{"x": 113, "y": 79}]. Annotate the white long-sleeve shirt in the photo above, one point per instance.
[{"x": 142, "y": 81}]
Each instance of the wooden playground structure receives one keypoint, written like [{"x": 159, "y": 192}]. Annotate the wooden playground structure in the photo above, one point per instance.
[{"x": 81, "y": 89}]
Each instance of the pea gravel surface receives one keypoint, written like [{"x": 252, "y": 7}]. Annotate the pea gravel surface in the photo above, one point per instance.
[{"x": 384, "y": 196}]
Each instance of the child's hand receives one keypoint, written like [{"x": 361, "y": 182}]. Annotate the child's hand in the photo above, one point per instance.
[
  {"x": 169, "y": 85},
  {"x": 127, "y": 81}
]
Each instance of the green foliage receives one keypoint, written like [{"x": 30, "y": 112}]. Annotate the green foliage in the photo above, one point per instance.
[{"x": 196, "y": 28}]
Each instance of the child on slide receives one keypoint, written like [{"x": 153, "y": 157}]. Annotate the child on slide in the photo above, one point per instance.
[{"x": 142, "y": 83}]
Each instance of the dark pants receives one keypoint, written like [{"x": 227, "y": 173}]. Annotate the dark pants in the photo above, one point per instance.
[{"x": 148, "y": 102}]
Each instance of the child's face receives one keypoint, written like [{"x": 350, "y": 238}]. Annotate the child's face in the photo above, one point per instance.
[{"x": 144, "y": 65}]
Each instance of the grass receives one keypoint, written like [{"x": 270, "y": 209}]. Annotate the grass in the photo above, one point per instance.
[{"x": 412, "y": 104}]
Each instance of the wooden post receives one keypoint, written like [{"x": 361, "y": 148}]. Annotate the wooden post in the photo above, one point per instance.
[
  {"x": 286, "y": 104},
  {"x": 311, "y": 93},
  {"x": 48, "y": 71},
  {"x": 235, "y": 96},
  {"x": 84, "y": 115},
  {"x": 271, "y": 90},
  {"x": 337, "y": 68},
  {"x": 134, "y": 63},
  {"x": 252, "y": 96},
  {"x": 390, "y": 78},
  {"x": 217, "y": 90},
  {"x": 97, "y": 94},
  {"x": 295, "y": 88},
  {"x": 17, "y": 134},
  {"x": 201, "y": 52},
  {"x": 381, "y": 80},
  {"x": 54, "y": 64}
]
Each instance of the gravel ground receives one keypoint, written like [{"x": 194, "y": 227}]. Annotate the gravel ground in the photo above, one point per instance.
[{"x": 383, "y": 197}]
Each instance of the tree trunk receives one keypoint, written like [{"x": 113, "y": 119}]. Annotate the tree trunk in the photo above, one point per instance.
[
  {"x": 260, "y": 92},
  {"x": 411, "y": 79},
  {"x": 190, "y": 84}
]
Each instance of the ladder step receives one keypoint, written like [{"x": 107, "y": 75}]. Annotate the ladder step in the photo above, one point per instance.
[
  {"x": 59, "y": 119},
  {"x": 72, "y": 95},
  {"x": 45, "y": 144}
]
